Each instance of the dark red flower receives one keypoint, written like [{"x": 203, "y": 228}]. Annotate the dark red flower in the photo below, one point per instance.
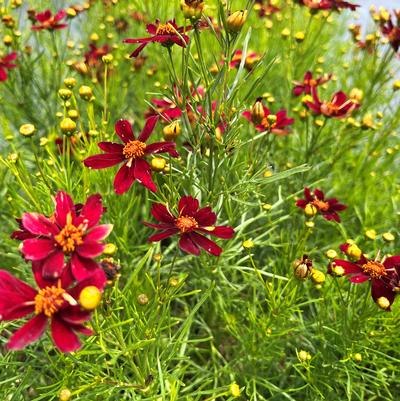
[
  {"x": 316, "y": 203},
  {"x": 251, "y": 59},
  {"x": 265, "y": 8},
  {"x": 55, "y": 301},
  {"x": 132, "y": 154},
  {"x": 339, "y": 107},
  {"x": 274, "y": 123},
  {"x": 391, "y": 31},
  {"x": 69, "y": 233},
  {"x": 6, "y": 64},
  {"x": 49, "y": 21},
  {"x": 334, "y": 5},
  {"x": 384, "y": 275},
  {"x": 166, "y": 34},
  {"x": 308, "y": 83},
  {"x": 191, "y": 224},
  {"x": 94, "y": 55}
]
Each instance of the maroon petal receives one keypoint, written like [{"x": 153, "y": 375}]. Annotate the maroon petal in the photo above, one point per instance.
[
  {"x": 74, "y": 315},
  {"x": 92, "y": 211},
  {"x": 3, "y": 74},
  {"x": 123, "y": 129},
  {"x": 124, "y": 179},
  {"x": 99, "y": 233},
  {"x": 379, "y": 289},
  {"x": 10, "y": 311},
  {"x": 302, "y": 203},
  {"x": 37, "y": 249},
  {"x": 188, "y": 206},
  {"x": 82, "y": 267},
  {"x": 331, "y": 216},
  {"x": 90, "y": 249},
  {"x": 96, "y": 278},
  {"x": 64, "y": 205},
  {"x": 80, "y": 328},
  {"x": 161, "y": 213},
  {"x": 205, "y": 243},
  {"x": 158, "y": 226},
  {"x": 205, "y": 217},
  {"x": 358, "y": 278},
  {"x": 63, "y": 336},
  {"x": 187, "y": 245},
  {"x": 53, "y": 265},
  {"x": 148, "y": 128},
  {"x": 162, "y": 147},
  {"x": 28, "y": 333},
  {"x": 138, "y": 49},
  {"x": 224, "y": 232},
  {"x": 38, "y": 224},
  {"x": 142, "y": 172},
  {"x": 164, "y": 234},
  {"x": 111, "y": 147},
  {"x": 13, "y": 285},
  {"x": 106, "y": 160},
  {"x": 392, "y": 261},
  {"x": 349, "y": 267}
]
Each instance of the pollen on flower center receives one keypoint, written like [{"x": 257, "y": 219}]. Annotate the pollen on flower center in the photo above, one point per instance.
[
  {"x": 165, "y": 29},
  {"x": 134, "y": 149},
  {"x": 69, "y": 237},
  {"x": 186, "y": 223},
  {"x": 321, "y": 205},
  {"x": 329, "y": 108},
  {"x": 374, "y": 269},
  {"x": 49, "y": 300}
]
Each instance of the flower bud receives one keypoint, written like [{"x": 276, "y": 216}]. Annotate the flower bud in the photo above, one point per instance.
[
  {"x": 143, "y": 299},
  {"x": 234, "y": 390},
  {"x": 302, "y": 268},
  {"x": 27, "y": 130},
  {"x": 337, "y": 270},
  {"x": 158, "y": 164},
  {"x": 317, "y": 276},
  {"x": 304, "y": 356},
  {"x": 110, "y": 249},
  {"x": 65, "y": 394},
  {"x": 310, "y": 210},
  {"x": 370, "y": 234},
  {"x": 331, "y": 254},
  {"x": 64, "y": 94},
  {"x": 90, "y": 297},
  {"x": 85, "y": 92},
  {"x": 357, "y": 357},
  {"x": 7, "y": 40},
  {"x": 68, "y": 126},
  {"x": 299, "y": 36},
  {"x": 388, "y": 237},
  {"x": 172, "y": 131},
  {"x": 192, "y": 9},
  {"x": 107, "y": 59},
  {"x": 383, "y": 303},
  {"x": 248, "y": 244},
  {"x": 69, "y": 82},
  {"x": 236, "y": 20},
  {"x": 396, "y": 85},
  {"x": 257, "y": 112},
  {"x": 356, "y": 95},
  {"x": 354, "y": 252}
]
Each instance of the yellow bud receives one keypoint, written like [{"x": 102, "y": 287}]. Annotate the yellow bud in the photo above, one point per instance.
[
  {"x": 285, "y": 33},
  {"x": 73, "y": 114},
  {"x": 356, "y": 94},
  {"x": 65, "y": 394},
  {"x": 68, "y": 126},
  {"x": 257, "y": 112},
  {"x": 158, "y": 164},
  {"x": 192, "y": 9},
  {"x": 27, "y": 130},
  {"x": 310, "y": 210},
  {"x": 357, "y": 357},
  {"x": 90, "y": 297},
  {"x": 383, "y": 302},
  {"x": 309, "y": 224},
  {"x": 396, "y": 85},
  {"x": 172, "y": 131},
  {"x": 331, "y": 254},
  {"x": 370, "y": 234},
  {"x": 304, "y": 356},
  {"x": 354, "y": 252},
  {"x": 267, "y": 206},
  {"x": 110, "y": 249},
  {"x": 317, "y": 276},
  {"x": 143, "y": 299},
  {"x": 299, "y": 36},
  {"x": 69, "y": 82},
  {"x": 107, "y": 59},
  {"x": 234, "y": 390},
  {"x": 64, "y": 94},
  {"x": 248, "y": 244},
  {"x": 272, "y": 118},
  {"x": 268, "y": 173},
  {"x": 94, "y": 37},
  {"x": 7, "y": 40},
  {"x": 236, "y": 20},
  {"x": 338, "y": 270},
  {"x": 388, "y": 237},
  {"x": 85, "y": 92},
  {"x": 71, "y": 13}
]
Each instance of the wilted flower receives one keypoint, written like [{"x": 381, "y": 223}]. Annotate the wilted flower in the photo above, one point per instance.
[
  {"x": 302, "y": 268},
  {"x": 56, "y": 301},
  {"x": 132, "y": 154},
  {"x": 191, "y": 224},
  {"x": 166, "y": 34},
  {"x": 6, "y": 64},
  {"x": 46, "y": 20},
  {"x": 316, "y": 203},
  {"x": 392, "y": 31}
]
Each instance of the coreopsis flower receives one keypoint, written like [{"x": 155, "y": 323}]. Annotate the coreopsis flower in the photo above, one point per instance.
[
  {"x": 191, "y": 224},
  {"x": 335, "y": 5},
  {"x": 6, "y": 63},
  {"x": 71, "y": 234},
  {"x": 132, "y": 153},
  {"x": 391, "y": 31},
  {"x": 94, "y": 55},
  {"x": 274, "y": 123},
  {"x": 339, "y": 107},
  {"x": 46, "y": 20},
  {"x": 315, "y": 202},
  {"x": 56, "y": 302},
  {"x": 308, "y": 83},
  {"x": 251, "y": 59},
  {"x": 266, "y": 8},
  {"x": 166, "y": 34},
  {"x": 383, "y": 274}
]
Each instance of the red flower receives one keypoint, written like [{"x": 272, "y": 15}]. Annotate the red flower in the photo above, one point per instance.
[
  {"x": 251, "y": 59},
  {"x": 5, "y": 64},
  {"x": 335, "y": 5},
  {"x": 308, "y": 83},
  {"x": 94, "y": 55},
  {"x": 67, "y": 234},
  {"x": 132, "y": 153},
  {"x": 384, "y": 275},
  {"x": 166, "y": 34},
  {"x": 392, "y": 31},
  {"x": 191, "y": 224},
  {"x": 48, "y": 21},
  {"x": 56, "y": 301},
  {"x": 266, "y": 9},
  {"x": 338, "y": 107},
  {"x": 315, "y": 202},
  {"x": 274, "y": 123}
]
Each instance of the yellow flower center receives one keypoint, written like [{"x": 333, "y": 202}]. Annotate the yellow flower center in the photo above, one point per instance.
[
  {"x": 49, "y": 300},
  {"x": 134, "y": 149},
  {"x": 321, "y": 205},
  {"x": 70, "y": 236},
  {"x": 374, "y": 269},
  {"x": 186, "y": 223},
  {"x": 165, "y": 29}
]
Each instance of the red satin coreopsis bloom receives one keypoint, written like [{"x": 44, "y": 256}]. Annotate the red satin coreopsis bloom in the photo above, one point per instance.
[
  {"x": 251, "y": 59},
  {"x": 71, "y": 234},
  {"x": 384, "y": 275},
  {"x": 308, "y": 83},
  {"x": 166, "y": 34},
  {"x": 94, "y": 55},
  {"x": 54, "y": 301},
  {"x": 46, "y": 20},
  {"x": 391, "y": 30},
  {"x": 6, "y": 63},
  {"x": 191, "y": 224},
  {"x": 334, "y": 5},
  {"x": 315, "y": 202},
  {"x": 275, "y": 123},
  {"x": 132, "y": 153},
  {"x": 339, "y": 107}
]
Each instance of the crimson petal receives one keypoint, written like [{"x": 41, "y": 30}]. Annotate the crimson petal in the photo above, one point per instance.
[
  {"x": 187, "y": 245},
  {"x": 63, "y": 336},
  {"x": 37, "y": 249},
  {"x": 124, "y": 179},
  {"x": 142, "y": 172},
  {"x": 28, "y": 333},
  {"x": 205, "y": 243},
  {"x": 124, "y": 130},
  {"x": 148, "y": 128},
  {"x": 106, "y": 160}
]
